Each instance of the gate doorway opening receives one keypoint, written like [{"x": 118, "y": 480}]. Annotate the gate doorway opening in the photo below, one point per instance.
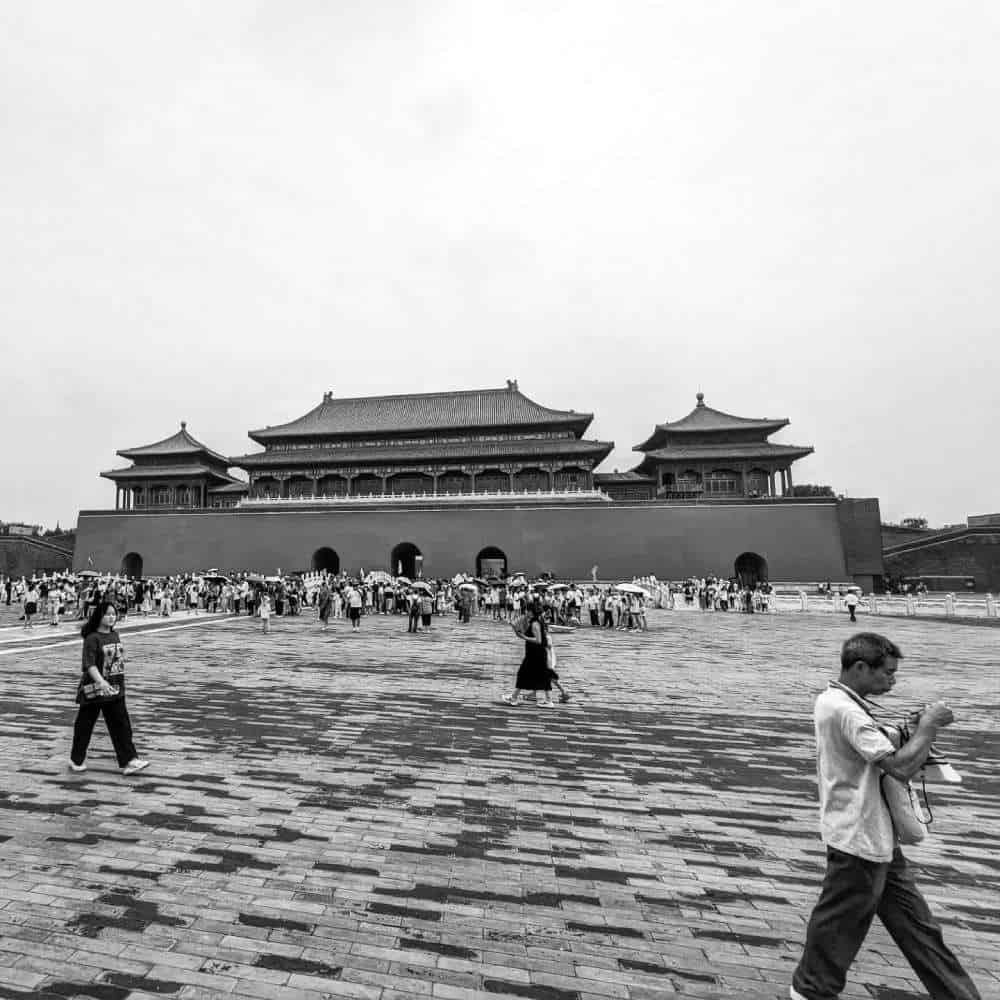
[
  {"x": 132, "y": 565},
  {"x": 491, "y": 561},
  {"x": 406, "y": 560},
  {"x": 326, "y": 560},
  {"x": 751, "y": 569}
]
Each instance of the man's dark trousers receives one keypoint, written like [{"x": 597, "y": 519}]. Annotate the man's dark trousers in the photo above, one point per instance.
[{"x": 854, "y": 892}]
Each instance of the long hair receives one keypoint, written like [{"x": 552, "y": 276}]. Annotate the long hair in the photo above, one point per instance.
[{"x": 94, "y": 621}]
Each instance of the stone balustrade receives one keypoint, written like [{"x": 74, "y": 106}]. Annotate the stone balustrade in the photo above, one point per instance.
[{"x": 430, "y": 498}]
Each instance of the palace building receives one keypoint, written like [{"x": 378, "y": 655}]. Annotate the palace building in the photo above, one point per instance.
[
  {"x": 448, "y": 482},
  {"x": 451, "y": 443}
]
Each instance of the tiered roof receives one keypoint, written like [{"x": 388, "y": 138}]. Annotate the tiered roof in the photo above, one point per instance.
[
  {"x": 704, "y": 419},
  {"x": 462, "y": 409},
  {"x": 191, "y": 459},
  {"x": 179, "y": 445},
  {"x": 709, "y": 435}
]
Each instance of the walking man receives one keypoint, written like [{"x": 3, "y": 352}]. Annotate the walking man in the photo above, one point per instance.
[{"x": 866, "y": 873}]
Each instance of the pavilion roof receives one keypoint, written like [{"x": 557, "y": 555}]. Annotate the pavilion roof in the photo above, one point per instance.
[
  {"x": 433, "y": 411},
  {"x": 705, "y": 419},
  {"x": 179, "y": 444},
  {"x": 450, "y": 451},
  {"x": 763, "y": 450},
  {"x": 186, "y": 470}
]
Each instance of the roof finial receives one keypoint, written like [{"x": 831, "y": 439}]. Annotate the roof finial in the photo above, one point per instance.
[
  {"x": 512, "y": 384},
  {"x": 327, "y": 396},
  {"x": 701, "y": 398},
  {"x": 184, "y": 424}
]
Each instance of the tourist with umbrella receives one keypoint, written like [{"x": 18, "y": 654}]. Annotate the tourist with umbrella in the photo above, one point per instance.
[{"x": 535, "y": 673}]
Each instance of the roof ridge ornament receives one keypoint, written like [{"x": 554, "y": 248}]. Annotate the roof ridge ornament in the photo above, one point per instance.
[
  {"x": 512, "y": 384},
  {"x": 328, "y": 396},
  {"x": 184, "y": 424},
  {"x": 700, "y": 397}
]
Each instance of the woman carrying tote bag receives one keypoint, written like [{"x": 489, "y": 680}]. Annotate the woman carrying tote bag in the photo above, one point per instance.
[{"x": 101, "y": 691}]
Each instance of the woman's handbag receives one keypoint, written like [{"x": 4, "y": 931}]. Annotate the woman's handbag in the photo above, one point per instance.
[
  {"x": 909, "y": 819},
  {"x": 90, "y": 694}
]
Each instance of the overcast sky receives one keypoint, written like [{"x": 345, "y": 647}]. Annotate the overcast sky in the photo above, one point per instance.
[{"x": 215, "y": 212}]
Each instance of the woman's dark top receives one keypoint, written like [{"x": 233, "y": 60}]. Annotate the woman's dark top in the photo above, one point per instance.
[
  {"x": 104, "y": 651},
  {"x": 534, "y": 673}
]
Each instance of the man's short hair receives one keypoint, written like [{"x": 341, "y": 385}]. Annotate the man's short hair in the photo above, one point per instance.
[{"x": 870, "y": 648}]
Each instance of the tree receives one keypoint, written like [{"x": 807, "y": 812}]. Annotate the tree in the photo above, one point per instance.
[
  {"x": 913, "y": 522},
  {"x": 812, "y": 490}
]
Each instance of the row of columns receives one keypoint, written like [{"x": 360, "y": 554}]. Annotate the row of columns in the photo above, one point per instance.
[
  {"x": 285, "y": 481},
  {"x": 126, "y": 496},
  {"x": 775, "y": 478}
]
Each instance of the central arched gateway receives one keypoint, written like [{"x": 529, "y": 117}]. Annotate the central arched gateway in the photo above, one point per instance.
[
  {"x": 326, "y": 560},
  {"x": 491, "y": 561},
  {"x": 132, "y": 565},
  {"x": 751, "y": 569},
  {"x": 406, "y": 560}
]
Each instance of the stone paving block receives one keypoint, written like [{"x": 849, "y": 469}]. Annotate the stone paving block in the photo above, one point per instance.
[{"x": 389, "y": 818}]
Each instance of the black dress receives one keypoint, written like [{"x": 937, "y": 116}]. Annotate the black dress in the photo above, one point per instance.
[{"x": 534, "y": 673}]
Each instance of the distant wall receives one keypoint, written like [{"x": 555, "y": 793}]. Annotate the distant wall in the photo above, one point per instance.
[
  {"x": 799, "y": 541},
  {"x": 975, "y": 554},
  {"x": 24, "y": 555}
]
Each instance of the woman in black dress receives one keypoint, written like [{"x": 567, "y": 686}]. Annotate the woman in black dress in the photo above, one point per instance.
[
  {"x": 102, "y": 692},
  {"x": 534, "y": 673}
]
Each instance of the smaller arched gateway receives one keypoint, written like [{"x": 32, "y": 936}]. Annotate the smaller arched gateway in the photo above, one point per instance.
[
  {"x": 132, "y": 565},
  {"x": 326, "y": 560},
  {"x": 750, "y": 569},
  {"x": 491, "y": 561},
  {"x": 406, "y": 560}
]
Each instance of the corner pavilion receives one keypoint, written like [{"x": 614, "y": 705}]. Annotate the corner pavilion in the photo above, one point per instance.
[
  {"x": 178, "y": 471},
  {"x": 708, "y": 454}
]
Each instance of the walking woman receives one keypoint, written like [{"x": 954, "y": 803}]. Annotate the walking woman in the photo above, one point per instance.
[
  {"x": 102, "y": 692},
  {"x": 534, "y": 673}
]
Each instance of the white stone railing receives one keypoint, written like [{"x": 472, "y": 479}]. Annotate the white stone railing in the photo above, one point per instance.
[
  {"x": 381, "y": 498},
  {"x": 959, "y": 605}
]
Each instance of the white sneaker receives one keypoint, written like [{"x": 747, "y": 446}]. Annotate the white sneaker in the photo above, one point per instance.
[
  {"x": 77, "y": 767},
  {"x": 547, "y": 703},
  {"x": 135, "y": 765},
  {"x": 510, "y": 699}
]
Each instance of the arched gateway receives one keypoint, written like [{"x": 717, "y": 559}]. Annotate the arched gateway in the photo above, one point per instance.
[
  {"x": 405, "y": 560},
  {"x": 326, "y": 560},
  {"x": 132, "y": 565},
  {"x": 751, "y": 569},
  {"x": 491, "y": 561}
]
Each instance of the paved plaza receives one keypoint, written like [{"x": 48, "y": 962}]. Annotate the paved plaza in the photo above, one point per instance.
[{"x": 331, "y": 815}]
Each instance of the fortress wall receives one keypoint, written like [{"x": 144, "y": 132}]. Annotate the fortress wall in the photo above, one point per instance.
[{"x": 799, "y": 541}]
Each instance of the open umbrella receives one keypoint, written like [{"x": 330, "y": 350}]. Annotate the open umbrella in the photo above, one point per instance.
[
  {"x": 424, "y": 588},
  {"x": 559, "y": 586},
  {"x": 631, "y": 588},
  {"x": 405, "y": 580},
  {"x": 88, "y": 574},
  {"x": 468, "y": 585},
  {"x": 215, "y": 578}
]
